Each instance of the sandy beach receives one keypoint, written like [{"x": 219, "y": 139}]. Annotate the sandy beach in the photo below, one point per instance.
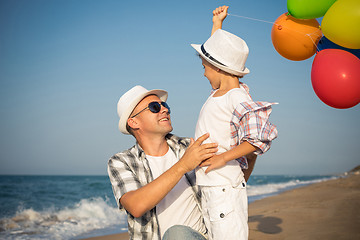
[{"x": 327, "y": 210}]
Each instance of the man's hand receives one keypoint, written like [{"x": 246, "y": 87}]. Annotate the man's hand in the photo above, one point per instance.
[{"x": 197, "y": 152}]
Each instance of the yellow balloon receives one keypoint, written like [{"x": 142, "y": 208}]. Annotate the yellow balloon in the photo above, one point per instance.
[{"x": 341, "y": 23}]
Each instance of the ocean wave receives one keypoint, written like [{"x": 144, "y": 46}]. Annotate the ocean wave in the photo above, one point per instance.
[
  {"x": 67, "y": 223},
  {"x": 263, "y": 190}
]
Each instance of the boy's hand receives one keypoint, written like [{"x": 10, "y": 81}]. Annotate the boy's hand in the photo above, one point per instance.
[
  {"x": 214, "y": 162},
  {"x": 219, "y": 14}
]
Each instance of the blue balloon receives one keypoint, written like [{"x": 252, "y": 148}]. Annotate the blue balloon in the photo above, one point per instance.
[{"x": 325, "y": 43}]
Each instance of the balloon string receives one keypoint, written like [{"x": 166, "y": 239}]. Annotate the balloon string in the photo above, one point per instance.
[
  {"x": 255, "y": 19},
  {"x": 309, "y": 34},
  {"x": 250, "y": 18}
]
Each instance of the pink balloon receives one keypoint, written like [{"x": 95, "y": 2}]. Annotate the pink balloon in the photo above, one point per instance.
[{"x": 335, "y": 77}]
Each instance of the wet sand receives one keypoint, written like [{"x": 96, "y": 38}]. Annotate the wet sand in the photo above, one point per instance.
[{"x": 327, "y": 210}]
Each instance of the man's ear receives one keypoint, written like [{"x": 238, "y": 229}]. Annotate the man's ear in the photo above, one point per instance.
[{"x": 132, "y": 123}]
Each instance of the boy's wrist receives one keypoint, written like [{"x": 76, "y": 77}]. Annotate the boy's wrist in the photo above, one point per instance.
[
  {"x": 216, "y": 27},
  {"x": 217, "y": 22}
]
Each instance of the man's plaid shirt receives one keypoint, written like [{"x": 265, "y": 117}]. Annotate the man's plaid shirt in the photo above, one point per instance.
[{"x": 129, "y": 170}]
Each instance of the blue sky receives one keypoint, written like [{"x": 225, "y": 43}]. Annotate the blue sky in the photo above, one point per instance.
[{"x": 64, "y": 65}]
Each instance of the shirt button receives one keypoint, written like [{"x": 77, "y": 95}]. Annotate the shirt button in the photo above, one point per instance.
[
  {"x": 243, "y": 184},
  {"x": 222, "y": 215},
  {"x": 223, "y": 189}
]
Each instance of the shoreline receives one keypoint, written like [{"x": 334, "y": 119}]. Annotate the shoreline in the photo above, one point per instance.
[{"x": 325, "y": 210}]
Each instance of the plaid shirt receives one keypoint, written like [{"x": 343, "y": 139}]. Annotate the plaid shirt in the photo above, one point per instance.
[
  {"x": 129, "y": 170},
  {"x": 250, "y": 122}
]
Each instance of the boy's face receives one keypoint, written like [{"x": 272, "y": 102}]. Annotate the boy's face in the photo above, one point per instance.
[{"x": 211, "y": 73}]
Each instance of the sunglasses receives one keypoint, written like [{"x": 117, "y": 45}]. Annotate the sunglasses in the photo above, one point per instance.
[{"x": 154, "y": 107}]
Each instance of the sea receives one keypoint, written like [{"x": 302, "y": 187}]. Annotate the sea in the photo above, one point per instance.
[{"x": 77, "y": 207}]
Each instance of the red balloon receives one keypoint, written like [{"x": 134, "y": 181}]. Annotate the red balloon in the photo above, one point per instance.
[{"x": 335, "y": 77}]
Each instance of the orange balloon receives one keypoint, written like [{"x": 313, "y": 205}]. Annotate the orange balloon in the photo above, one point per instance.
[{"x": 295, "y": 39}]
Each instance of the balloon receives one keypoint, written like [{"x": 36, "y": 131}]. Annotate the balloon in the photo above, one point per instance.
[
  {"x": 325, "y": 43},
  {"x": 295, "y": 39},
  {"x": 341, "y": 23},
  {"x": 308, "y": 9},
  {"x": 335, "y": 77}
]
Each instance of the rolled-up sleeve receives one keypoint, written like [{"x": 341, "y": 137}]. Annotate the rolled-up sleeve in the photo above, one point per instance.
[
  {"x": 122, "y": 178},
  {"x": 250, "y": 122}
]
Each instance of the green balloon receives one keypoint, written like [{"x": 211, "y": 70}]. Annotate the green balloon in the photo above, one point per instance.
[{"x": 308, "y": 9}]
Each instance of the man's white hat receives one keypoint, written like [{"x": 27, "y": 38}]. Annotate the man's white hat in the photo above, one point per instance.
[
  {"x": 130, "y": 99},
  {"x": 225, "y": 51}
]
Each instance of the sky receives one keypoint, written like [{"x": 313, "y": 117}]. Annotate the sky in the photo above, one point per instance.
[{"x": 64, "y": 64}]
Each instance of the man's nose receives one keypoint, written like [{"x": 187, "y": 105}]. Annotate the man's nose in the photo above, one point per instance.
[{"x": 163, "y": 109}]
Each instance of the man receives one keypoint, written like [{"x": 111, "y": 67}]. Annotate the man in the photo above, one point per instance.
[{"x": 154, "y": 180}]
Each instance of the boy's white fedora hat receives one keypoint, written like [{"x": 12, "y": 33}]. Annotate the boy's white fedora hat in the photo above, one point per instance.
[
  {"x": 130, "y": 99},
  {"x": 225, "y": 51}
]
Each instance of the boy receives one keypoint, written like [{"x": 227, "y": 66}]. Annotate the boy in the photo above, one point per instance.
[{"x": 240, "y": 127}]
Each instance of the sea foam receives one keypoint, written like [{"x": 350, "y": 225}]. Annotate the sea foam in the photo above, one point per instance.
[
  {"x": 86, "y": 215},
  {"x": 260, "y": 191}
]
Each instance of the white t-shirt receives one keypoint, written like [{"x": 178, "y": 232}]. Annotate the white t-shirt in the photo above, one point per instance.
[
  {"x": 179, "y": 206},
  {"x": 214, "y": 118}
]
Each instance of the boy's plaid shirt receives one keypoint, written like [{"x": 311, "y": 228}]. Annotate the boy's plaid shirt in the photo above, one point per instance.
[
  {"x": 250, "y": 122},
  {"x": 129, "y": 170}
]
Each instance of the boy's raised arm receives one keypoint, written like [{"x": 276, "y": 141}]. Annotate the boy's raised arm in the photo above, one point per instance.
[{"x": 219, "y": 15}]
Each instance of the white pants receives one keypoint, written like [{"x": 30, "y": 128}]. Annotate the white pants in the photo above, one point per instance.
[{"x": 225, "y": 211}]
